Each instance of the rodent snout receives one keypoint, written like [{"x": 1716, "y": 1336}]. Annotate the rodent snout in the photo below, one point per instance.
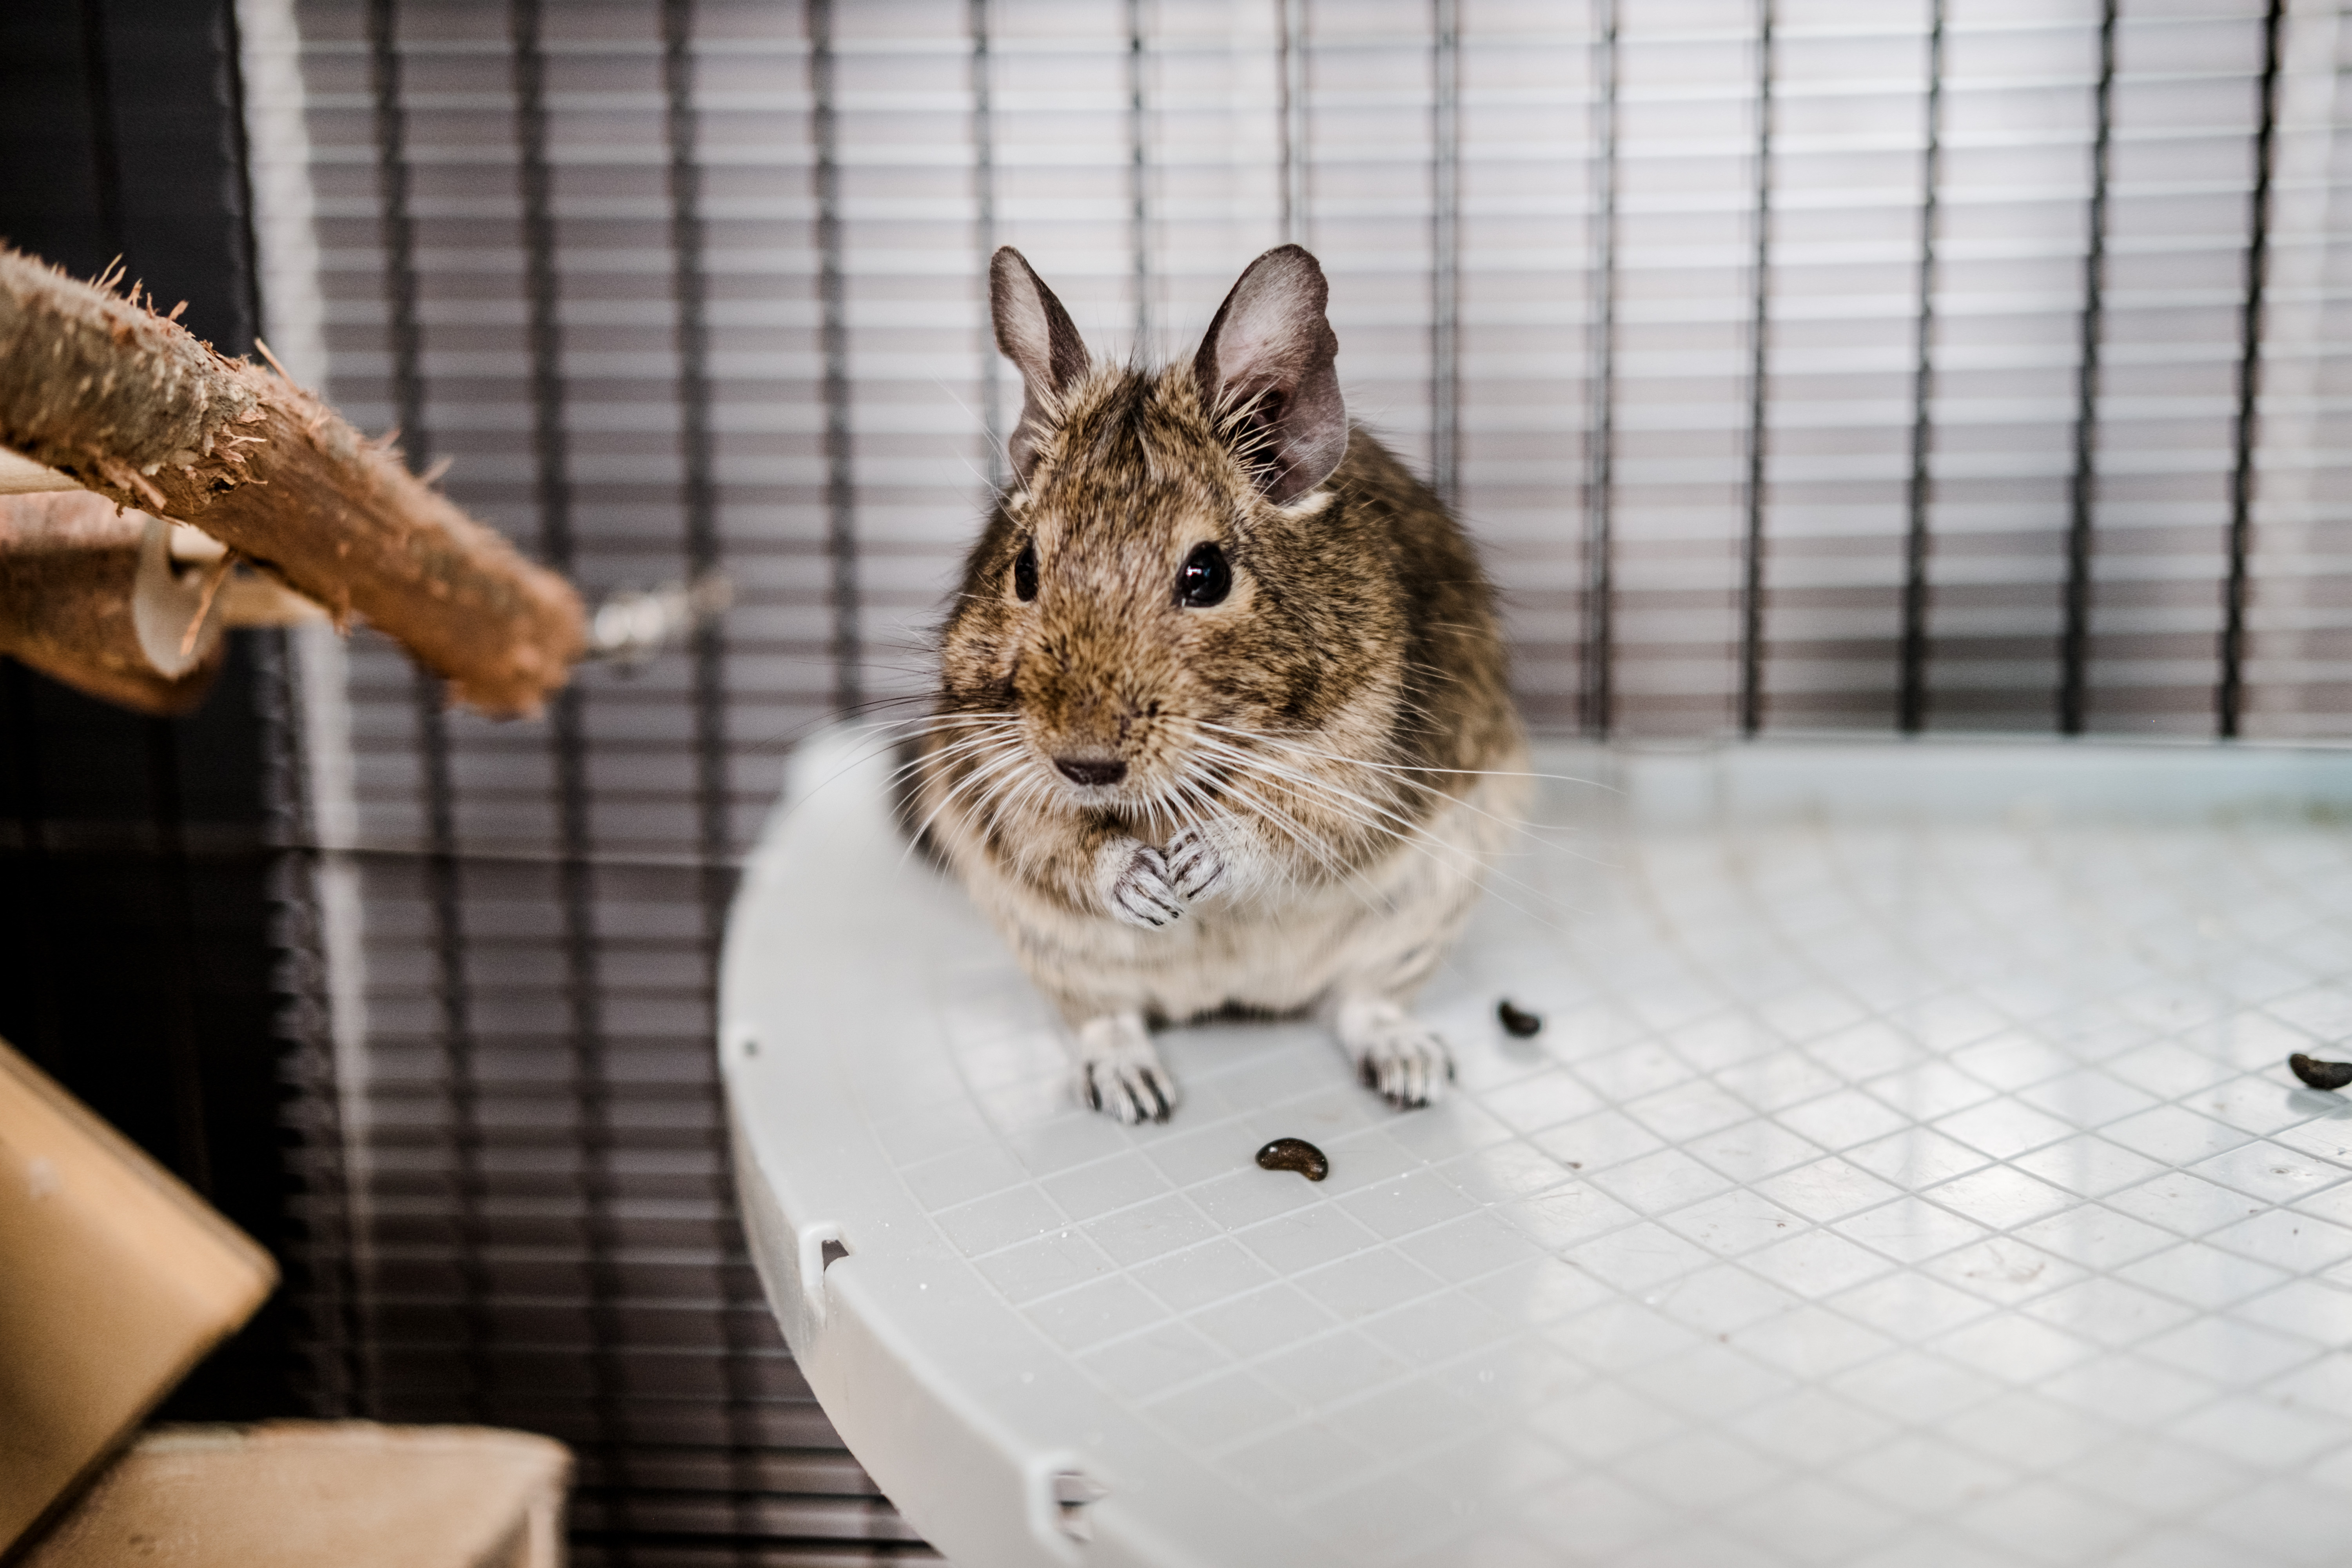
[{"x": 1089, "y": 771}]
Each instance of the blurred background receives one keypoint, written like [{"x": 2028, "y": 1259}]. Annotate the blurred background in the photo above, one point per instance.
[{"x": 1913, "y": 365}]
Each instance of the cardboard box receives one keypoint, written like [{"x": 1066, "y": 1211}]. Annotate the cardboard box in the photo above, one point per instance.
[{"x": 114, "y": 1280}]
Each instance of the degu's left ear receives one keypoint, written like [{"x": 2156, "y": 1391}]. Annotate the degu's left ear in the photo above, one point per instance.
[{"x": 1265, "y": 371}]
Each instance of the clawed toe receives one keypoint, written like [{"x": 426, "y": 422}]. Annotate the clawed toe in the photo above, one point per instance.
[
  {"x": 1120, "y": 1075},
  {"x": 1415, "y": 1074},
  {"x": 1132, "y": 1096},
  {"x": 1135, "y": 885},
  {"x": 1405, "y": 1061},
  {"x": 1194, "y": 865}
]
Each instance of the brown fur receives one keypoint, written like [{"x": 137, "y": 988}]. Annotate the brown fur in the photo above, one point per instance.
[{"x": 1357, "y": 656}]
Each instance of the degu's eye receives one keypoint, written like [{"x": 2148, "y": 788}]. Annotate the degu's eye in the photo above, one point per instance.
[
  {"x": 1024, "y": 572},
  {"x": 1206, "y": 579}
]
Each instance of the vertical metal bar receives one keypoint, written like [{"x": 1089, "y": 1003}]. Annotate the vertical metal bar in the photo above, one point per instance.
[
  {"x": 984, "y": 197},
  {"x": 2230, "y": 700},
  {"x": 452, "y": 985},
  {"x": 1138, "y": 181},
  {"x": 840, "y": 490},
  {"x": 269, "y": 646},
  {"x": 698, "y": 455},
  {"x": 553, "y": 495},
  {"x": 402, "y": 331},
  {"x": 2074, "y": 642},
  {"x": 1912, "y": 712},
  {"x": 550, "y": 453},
  {"x": 326, "y": 1253},
  {"x": 23, "y": 754},
  {"x": 713, "y": 836},
  {"x": 1760, "y": 323},
  {"x": 1445, "y": 252},
  {"x": 105, "y": 146},
  {"x": 175, "y": 914},
  {"x": 1599, "y": 494},
  {"x": 244, "y": 243},
  {"x": 1291, "y": 44}
]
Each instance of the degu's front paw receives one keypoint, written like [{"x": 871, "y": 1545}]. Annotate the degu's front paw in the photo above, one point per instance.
[
  {"x": 1395, "y": 1053},
  {"x": 1132, "y": 877},
  {"x": 1117, "y": 1071},
  {"x": 1196, "y": 861}
]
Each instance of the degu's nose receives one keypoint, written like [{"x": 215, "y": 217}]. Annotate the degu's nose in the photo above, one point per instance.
[{"x": 1091, "y": 771}]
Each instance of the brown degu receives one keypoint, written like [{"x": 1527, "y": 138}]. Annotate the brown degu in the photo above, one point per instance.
[{"x": 1223, "y": 721}]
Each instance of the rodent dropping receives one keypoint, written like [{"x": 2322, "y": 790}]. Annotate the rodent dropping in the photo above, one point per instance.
[
  {"x": 2319, "y": 1073},
  {"x": 1223, "y": 720},
  {"x": 1294, "y": 1154}
]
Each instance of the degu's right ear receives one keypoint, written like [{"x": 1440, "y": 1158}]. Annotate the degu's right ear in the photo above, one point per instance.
[{"x": 1036, "y": 335}]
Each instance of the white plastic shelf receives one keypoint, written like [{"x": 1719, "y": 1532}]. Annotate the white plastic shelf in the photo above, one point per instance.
[{"x": 1907, "y": 1173}]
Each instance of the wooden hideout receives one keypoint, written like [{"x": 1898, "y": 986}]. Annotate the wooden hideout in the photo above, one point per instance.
[
  {"x": 115, "y": 1279},
  {"x": 99, "y": 393}
]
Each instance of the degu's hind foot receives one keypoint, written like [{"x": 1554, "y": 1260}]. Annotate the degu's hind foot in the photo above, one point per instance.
[
  {"x": 1116, "y": 1071},
  {"x": 1394, "y": 1052}
]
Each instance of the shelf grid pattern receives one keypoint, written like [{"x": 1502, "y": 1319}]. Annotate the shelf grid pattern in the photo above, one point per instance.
[{"x": 1883, "y": 1188}]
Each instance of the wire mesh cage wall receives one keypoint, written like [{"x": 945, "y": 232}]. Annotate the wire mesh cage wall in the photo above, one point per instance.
[{"x": 1801, "y": 364}]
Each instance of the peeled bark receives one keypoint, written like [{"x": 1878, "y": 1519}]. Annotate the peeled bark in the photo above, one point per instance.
[
  {"x": 69, "y": 570},
  {"x": 131, "y": 406}
]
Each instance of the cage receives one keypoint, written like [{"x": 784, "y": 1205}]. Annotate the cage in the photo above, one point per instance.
[{"x": 1946, "y": 368}]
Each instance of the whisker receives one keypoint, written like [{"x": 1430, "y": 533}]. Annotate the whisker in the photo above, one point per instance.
[
  {"x": 1385, "y": 818},
  {"x": 942, "y": 755},
  {"x": 867, "y": 750},
  {"x": 1315, "y": 848},
  {"x": 1405, "y": 774},
  {"x": 1339, "y": 801},
  {"x": 1007, "y": 758},
  {"x": 1285, "y": 740}
]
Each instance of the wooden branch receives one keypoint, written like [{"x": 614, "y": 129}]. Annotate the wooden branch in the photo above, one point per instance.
[
  {"x": 68, "y": 603},
  {"x": 130, "y": 405}
]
